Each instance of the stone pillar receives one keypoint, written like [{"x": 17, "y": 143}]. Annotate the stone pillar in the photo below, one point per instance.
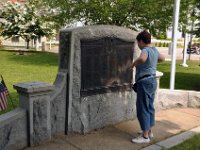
[
  {"x": 156, "y": 101},
  {"x": 158, "y": 76},
  {"x": 35, "y": 98}
]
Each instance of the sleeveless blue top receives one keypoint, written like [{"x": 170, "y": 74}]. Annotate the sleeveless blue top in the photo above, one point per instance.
[{"x": 150, "y": 65}]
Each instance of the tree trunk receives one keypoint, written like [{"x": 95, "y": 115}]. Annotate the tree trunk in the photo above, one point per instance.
[
  {"x": 36, "y": 44},
  {"x": 27, "y": 43}
]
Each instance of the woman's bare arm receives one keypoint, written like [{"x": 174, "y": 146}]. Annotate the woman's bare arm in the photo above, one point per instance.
[
  {"x": 140, "y": 60},
  {"x": 161, "y": 58}
]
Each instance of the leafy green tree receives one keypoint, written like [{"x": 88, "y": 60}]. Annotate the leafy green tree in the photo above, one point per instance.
[
  {"x": 147, "y": 14},
  {"x": 197, "y": 27},
  {"x": 154, "y": 15},
  {"x": 187, "y": 15},
  {"x": 23, "y": 20}
]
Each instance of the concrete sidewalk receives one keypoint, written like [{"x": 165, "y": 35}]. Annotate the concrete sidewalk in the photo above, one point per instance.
[{"x": 118, "y": 137}]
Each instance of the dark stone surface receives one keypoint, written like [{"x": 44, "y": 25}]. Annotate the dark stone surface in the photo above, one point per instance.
[
  {"x": 64, "y": 50},
  {"x": 105, "y": 65}
]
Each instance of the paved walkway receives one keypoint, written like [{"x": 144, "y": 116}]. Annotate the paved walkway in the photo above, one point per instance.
[
  {"x": 118, "y": 137},
  {"x": 179, "y": 54}
]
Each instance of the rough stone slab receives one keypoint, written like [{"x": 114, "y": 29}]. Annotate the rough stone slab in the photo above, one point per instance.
[
  {"x": 10, "y": 116},
  {"x": 99, "y": 31},
  {"x": 175, "y": 140},
  {"x": 40, "y": 127},
  {"x": 13, "y": 130},
  {"x": 171, "y": 99},
  {"x": 86, "y": 112},
  {"x": 35, "y": 98},
  {"x": 33, "y": 87},
  {"x": 58, "y": 105},
  {"x": 194, "y": 99},
  {"x": 98, "y": 111}
]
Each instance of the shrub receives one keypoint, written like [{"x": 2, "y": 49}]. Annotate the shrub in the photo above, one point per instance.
[
  {"x": 161, "y": 36},
  {"x": 179, "y": 45},
  {"x": 160, "y": 44},
  {"x": 153, "y": 44}
]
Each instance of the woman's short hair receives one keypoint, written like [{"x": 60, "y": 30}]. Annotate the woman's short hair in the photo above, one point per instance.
[{"x": 144, "y": 36}]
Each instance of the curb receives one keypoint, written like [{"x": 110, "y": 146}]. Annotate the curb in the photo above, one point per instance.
[{"x": 174, "y": 140}]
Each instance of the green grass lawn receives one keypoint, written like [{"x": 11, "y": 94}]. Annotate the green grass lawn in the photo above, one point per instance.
[
  {"x": 185, "y": 78},
  {"x": 190, "y": 144},
  {"x": 43, "y": 66},
  {"x": 35, "y": 66}
]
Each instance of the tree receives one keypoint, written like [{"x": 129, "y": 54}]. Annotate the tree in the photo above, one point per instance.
[
  {"x": 23, "y": 20},
  {"x": 147, "y": 14},
  {"x": 187, "y": 15},
  {"x": 154, "y": 15},
  {"x": 197, "y": 27}
]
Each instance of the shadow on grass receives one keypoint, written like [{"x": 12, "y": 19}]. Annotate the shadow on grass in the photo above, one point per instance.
[
  {"x": 184, "y": 81},
  {"x": 34, "y": 58}
]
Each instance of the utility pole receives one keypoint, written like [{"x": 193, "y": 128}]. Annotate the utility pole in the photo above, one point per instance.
[{"x": 174, "y": 41}]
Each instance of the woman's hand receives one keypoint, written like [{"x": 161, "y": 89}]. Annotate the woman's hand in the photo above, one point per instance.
[{"x": 132, "y": 67}]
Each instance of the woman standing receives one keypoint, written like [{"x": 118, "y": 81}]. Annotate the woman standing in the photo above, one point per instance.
[{"x": 146, "y": 65}]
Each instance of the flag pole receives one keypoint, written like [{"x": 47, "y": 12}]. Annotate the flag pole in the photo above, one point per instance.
[
  {"x": 174, "y": 42},
  {"x": 8, "y": 92}
]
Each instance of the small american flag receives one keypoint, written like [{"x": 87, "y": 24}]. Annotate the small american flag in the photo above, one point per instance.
[{"x": 3, "y": 96}]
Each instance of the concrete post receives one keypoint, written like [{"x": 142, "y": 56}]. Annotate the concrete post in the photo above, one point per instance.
[
  {"x": 35, "y": 98},
  {"x": 156, "y": 101},
  {"x": 158, "y": 76}
]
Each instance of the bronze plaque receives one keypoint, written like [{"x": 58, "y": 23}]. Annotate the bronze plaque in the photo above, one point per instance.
[{"x": 105, "y": 65}]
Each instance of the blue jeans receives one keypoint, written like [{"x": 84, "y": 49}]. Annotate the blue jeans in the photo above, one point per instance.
[{"x": 145, "y": 98}]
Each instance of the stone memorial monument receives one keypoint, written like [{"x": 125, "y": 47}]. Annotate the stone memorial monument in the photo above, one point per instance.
[
  {"x": 96, "y": 60},
  {"x": 92, "y": 89}
]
